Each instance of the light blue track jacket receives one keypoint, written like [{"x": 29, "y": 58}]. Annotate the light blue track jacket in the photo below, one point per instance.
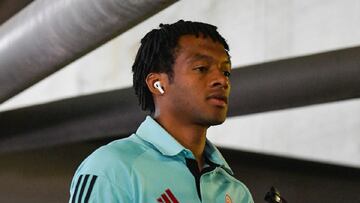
[{"x": 151, "y": 166}]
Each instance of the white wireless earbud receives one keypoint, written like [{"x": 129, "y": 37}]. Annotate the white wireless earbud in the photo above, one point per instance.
[{"x": 157, "y": 85}]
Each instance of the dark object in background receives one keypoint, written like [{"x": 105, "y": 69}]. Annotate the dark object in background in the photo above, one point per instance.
[{"x": 273, "y": 196}]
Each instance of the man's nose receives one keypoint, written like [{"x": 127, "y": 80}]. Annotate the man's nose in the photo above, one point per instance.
[{"x": 219, "y": 79}]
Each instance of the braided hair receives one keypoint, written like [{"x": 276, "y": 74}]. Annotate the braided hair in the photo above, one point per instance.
[{"x": 157, "y": 54}]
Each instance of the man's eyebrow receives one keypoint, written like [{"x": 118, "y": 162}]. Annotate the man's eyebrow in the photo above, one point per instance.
[{"x": 197, "y": 57}]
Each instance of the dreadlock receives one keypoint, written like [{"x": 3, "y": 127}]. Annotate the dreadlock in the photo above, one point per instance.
[{"x": 157, "y": 54}]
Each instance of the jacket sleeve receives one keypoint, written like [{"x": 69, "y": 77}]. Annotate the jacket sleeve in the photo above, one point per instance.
[{"x": 88, "y": 188}]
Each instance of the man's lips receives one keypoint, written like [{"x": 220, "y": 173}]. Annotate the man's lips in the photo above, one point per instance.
[{"x": 218, "y": 100}]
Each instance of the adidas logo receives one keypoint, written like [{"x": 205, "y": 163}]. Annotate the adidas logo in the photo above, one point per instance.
[{"x": 167, "y": 197}]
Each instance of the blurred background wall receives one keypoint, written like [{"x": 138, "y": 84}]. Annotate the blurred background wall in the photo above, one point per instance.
[{"x": 311, "y": 152}]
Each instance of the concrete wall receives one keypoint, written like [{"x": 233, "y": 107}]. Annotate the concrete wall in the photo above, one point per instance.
[{"x": 257, "y": 31}]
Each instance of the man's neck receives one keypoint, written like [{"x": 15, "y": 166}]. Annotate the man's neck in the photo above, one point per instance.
[{"x": 192, "y": 137}]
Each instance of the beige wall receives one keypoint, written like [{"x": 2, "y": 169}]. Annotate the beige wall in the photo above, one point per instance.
[{"x": 257, "y": 31}]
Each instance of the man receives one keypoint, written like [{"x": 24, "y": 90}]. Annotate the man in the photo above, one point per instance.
[{"x": 181, "y": 75}]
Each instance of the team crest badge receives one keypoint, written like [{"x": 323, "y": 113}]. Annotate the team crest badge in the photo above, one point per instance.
[{"x": 228, "y": 199}]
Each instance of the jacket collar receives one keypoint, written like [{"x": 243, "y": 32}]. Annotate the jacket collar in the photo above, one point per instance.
[
  {"x": 153, "y": 133},
  {"x": 156, "y": 135}
]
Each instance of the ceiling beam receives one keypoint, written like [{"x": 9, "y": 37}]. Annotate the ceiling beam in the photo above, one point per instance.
[
  {"x": 8, "y": 8},
  {"x": 295, "y": 82},
  {"x": 47, "y": 35}
]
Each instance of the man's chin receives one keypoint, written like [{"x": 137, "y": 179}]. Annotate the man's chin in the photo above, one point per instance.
[
  {"x": 211, "y": 119},
  {"x": 216, "y": 120}
]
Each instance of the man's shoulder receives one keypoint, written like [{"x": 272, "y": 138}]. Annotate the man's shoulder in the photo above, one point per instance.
[{"x": 117, "y": 155}]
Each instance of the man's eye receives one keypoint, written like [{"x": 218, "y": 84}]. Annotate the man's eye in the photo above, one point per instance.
[
  {"x": 227, "y": 73},
  {"x": 201, "y": 69}
]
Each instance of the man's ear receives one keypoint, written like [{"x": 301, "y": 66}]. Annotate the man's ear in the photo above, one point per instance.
[{"x": 154, "y": 78}]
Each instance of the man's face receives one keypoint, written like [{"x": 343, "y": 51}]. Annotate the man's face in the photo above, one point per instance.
[{"x": 200, "y": 87}]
